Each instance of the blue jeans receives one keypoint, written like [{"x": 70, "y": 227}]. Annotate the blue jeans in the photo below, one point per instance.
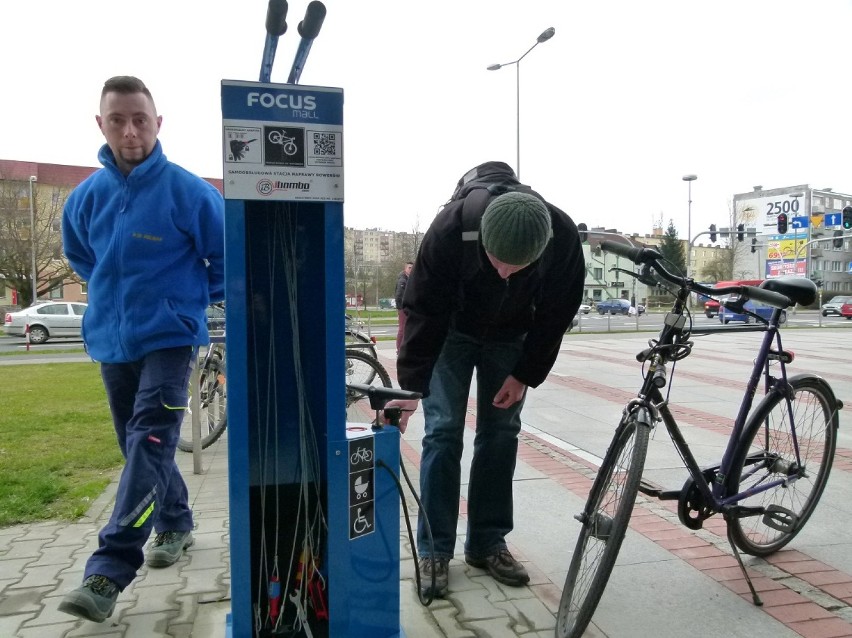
[
  {"x": 495, "y": 447},
  {"x": 147, "y": 399}
]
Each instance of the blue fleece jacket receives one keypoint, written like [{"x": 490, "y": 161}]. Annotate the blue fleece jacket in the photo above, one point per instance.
[{"x": 151, "y": 248}]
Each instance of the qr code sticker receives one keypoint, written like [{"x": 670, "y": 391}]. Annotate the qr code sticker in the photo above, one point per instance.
[{"x": 325, "y": 144}]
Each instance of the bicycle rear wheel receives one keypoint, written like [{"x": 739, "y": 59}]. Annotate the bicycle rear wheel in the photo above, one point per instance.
[
  {"x": 767, "y": 453},
  {"x": 604, "y": 523},
  {"x": 212, "y": 389},
  {"x": 359, "y": 341},
  {"x": 362, "y": 369}
]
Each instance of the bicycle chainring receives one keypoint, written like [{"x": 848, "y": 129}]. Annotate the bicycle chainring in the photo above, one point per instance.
[{"x": 692, "y": 508}]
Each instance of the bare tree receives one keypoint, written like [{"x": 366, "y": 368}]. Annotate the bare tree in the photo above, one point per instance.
[
  {"x": 19, "y": 239},
  {"x": 721, "y": 267},
  {"x": 728, "y": 262}
]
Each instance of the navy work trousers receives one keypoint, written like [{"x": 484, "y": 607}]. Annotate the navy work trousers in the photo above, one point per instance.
[{"x": 147, "y": 399}]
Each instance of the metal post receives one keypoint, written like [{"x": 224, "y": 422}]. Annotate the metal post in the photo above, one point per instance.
[
  {"x": 518, "y": 119},
  {"x": 195, "y": 409},
  {"x": 543, "y": 37},
  {"x": 689, "y": 179},
  {"x": 33, "y": 178},
  {"x": 795, "y": 197}
]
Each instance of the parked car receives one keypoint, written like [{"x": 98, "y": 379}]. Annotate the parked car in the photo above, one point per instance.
[
  {"x": 387, "y": 303},
  {"x": 760, "y": 309},
  {"x": 614, "y": 307},
  {"x": 584, "y": 308},
  {"x": 833, "y": 306},
  {"x": 46, "y": 319},
  {"x": 640, "y": 308},
  {"x": 846, "y": 310},
  {"x": 711, "y": 306}
]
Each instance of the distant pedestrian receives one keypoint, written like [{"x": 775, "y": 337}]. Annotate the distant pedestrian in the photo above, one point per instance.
[
  {"x": 148, "y": 238},
  {"x": 496, "y": 284},
  {"x": 401, "y": 283}
]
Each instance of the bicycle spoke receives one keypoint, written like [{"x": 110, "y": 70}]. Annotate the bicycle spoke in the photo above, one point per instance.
[{"x": 769, "y": 454}]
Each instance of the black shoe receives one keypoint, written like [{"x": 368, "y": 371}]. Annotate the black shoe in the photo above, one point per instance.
[
  {"x": 502, "y": 566},
  {"x": 167, "y": 548},
  {"x": 441, "y": 568},
  {"x": 94, "y": 600}
]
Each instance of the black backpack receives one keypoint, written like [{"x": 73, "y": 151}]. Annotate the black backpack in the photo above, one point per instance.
[{"x": 477, "y": 188}]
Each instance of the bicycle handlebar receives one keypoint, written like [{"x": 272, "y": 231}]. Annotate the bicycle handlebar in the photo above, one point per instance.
[
  {"x": 651, "y": 257},
  {"x": 634, "y": 254}
]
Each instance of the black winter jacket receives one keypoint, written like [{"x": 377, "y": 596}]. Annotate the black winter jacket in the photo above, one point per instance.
[
  {"x": 399, "y": 293},
  {"x": 540, "y": 301}
]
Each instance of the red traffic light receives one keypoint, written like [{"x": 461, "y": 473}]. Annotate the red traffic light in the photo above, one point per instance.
[{"x": 782, "y": 223}]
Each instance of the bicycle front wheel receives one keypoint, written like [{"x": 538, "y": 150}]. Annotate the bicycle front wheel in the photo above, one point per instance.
[
  {"x": 362, "y": 369},
  {"x": 212, "y": 389},
  {"x": 604, "y": 523},
  {"x": 767, "y": 453}
]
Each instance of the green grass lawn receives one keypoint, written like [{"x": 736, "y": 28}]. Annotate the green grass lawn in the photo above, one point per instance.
[{"x": 57, "y": 444}]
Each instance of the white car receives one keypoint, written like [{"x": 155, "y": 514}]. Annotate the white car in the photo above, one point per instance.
[
  {"x": 46, "y": 319},
  {"x": 833, "y": 307},
  {"x": 585, "y": 308}
]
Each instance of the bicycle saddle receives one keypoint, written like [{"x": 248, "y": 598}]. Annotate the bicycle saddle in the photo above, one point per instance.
[{"x": 798, "y": 290}]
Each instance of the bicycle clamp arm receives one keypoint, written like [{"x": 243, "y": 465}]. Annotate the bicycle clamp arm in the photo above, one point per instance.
[{"x": 379, "y": 397}]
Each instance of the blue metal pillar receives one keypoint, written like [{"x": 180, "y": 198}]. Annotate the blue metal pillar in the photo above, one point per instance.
[{"x": 285, "y": 362}]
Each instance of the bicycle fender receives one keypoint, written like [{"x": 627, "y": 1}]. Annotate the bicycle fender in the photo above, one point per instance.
[
  {"x": 642, "y": 416},
  {"x": 777, "y": 389},
  {"x": 823, "y": 384}
]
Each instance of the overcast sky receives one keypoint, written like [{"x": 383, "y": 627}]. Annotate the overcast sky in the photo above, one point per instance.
[{"x": 626, "y": 99}]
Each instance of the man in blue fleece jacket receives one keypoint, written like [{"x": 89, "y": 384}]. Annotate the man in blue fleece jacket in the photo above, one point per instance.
[{"x": 148, "y": 238}]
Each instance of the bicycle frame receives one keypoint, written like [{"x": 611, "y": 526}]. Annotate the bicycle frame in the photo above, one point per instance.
[
  {"x": 762, "y": 455},
  {"x": 651, "y": 397}
]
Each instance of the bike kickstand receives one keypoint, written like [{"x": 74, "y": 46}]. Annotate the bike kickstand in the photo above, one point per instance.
[{"x": 755, "y": 598}]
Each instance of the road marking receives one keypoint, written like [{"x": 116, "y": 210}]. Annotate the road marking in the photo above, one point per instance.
[{"x": 562, "y": 445}]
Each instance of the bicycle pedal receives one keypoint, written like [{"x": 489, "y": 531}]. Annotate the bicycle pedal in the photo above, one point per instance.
[
  {"x": 649, "y": 488},
  {"x": 780, "y": 518}
]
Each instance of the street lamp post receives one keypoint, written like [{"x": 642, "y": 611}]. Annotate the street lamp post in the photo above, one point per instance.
[
  {"x": 33, "y": 178},
  {"x": 544, "y": 37},
  {"x": 689, "y": 179}
]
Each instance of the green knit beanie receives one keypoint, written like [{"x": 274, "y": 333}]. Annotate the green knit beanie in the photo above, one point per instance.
[{"x": 515, "y": 228}]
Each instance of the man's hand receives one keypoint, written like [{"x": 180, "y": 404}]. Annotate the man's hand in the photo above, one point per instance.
[
  {"x": 407, "y": 406},
  {"x": 511, "y": 392}
]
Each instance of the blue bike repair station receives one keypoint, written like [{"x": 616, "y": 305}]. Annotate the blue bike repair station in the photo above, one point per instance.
[{"x": 314, "y": 513}]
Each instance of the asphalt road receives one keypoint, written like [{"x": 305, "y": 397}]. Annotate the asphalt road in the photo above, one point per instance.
[
  {"x": 592, "y": 322},
  {"x": 19, "y": 345}
]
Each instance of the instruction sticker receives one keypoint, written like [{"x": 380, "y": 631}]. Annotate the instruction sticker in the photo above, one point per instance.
[
  {"x": 282, "y": 142},
  {"x": 362, "y": 474}
]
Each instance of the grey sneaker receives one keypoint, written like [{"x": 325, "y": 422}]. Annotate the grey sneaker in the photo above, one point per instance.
[
  {"x": 441, "y": 569},
  {"x": 93, "y": 600},
  {"x": 167, "y": 548},
  {"x": 502, "y": 566}
]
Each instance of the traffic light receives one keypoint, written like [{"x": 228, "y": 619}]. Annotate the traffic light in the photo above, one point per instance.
[
  {"x": 713, "y": 232},
  {"x": 782, "y": 222},
  {"x": 584, "y": 232},
  {"x": 837, "y": 242},
  {"x": 740, "y": 232},
  {"x": 754, "y": 244},
  {"x": 847, "y": 218}
]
